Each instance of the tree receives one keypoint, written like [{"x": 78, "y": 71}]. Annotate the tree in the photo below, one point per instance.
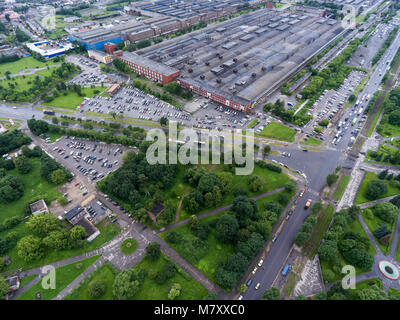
[
  {"x": 226, "y": 228},
  {"x": 394, "y": 118},
  {"x": 316, "y": 208},
  {"x": 211, "y": 296},
  {"x": 267, "y": 149},
  {"x": 301, "y": 238},
  {"x": 328, "y": 250},
  {"x": 126, "y": 284},
  {"x": 301, "y": 297},
  {"x": 175, "y": 291},
  {"x": 30, "y": 248},
  {"x": 57, "y": 240},
  {"x": 273, "y": 293},
  {"x": 58, "y": 176},
  {"x": 255, "y": 183},
  {"x": 153, "y": 251},
  {"x": 386, "y": 211},
  {"x": 96, "y": 289},
  {"x": 331, "y": 179},
  {"x": 290, "y": 186},
  {"x": 372, "y": 293},
  {"x": 382, "y": 175},
  {"x": 3, "y": 287},
  {"x": 42, "y": 224},
  {"x": 382, "y": 231},
  {"x": 78, "y": 233},
  {"x": 163, "y": 121},
  {"x": 22, "y": 164},
  {"x": 376, "y": 189}
]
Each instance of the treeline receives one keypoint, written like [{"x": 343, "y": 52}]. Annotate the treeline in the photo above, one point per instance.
[
  {"x": 21, "y": 36},
  {"x": 12, "y": 140},
  {"x": 72, "y": 11},
  {"x": 338, "y": 242},
  {"x": 8, "y": 58},
  {"x": 39, "y": 127},
  {"x": 385, "y": 45}
]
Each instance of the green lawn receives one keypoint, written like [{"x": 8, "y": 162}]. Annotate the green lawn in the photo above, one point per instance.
[
  {"x": 129, "y": 246},
  {"x": 24, "y": 63},
  {"x": 36, "y": 188},
  {"x": 72, "y": 100},
  {"x": 374, "y": 122},
  {"x": 25, "y": 280},
  {"x": 150, "y": 290},
  {"x": 394, "y": 142},
  {"x": 106, "y": 273},
  {"x": 369, "y": 176},
  {"x": 64, "y": 276},
  {"x": 311, "y": 142},
  {"x": 388, "y": 130},
  {"x": 373, "y": 224},
  {"x": 252, "y": 123},
  {"x": 275, "y": 130},
  {"x": 209, "y": 260},
  {"x": 342, "y": 184}
]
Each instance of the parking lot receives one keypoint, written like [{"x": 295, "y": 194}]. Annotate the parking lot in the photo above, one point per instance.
[
  {"x": 90, "y": 161},
  {"x": 131, "y": 102},
  {"x": 331, "y": 102},
  {"x": 91, "y": 73}
]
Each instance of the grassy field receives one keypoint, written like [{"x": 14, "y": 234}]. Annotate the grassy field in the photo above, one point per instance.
[
  {"x": 150, "y": 290},
  {"x": 64, "y": 276},
  {"x": 374, "y": 122},
  {"x": 311, "y": 142},
  {"x": 252, "y": 123},
  {"x": 373, "y": 224},
  {"x": 25, "y": 280},
  {"x": 36, "y": 187},
  {"x": 342, "y": 184},
  {"x": 275, "y": 130},
  {"x": 216, "y": 253},
  {"x": 388, "y": 130},
  {"x": 369, "y": 176},
  {"x": 24, "y": 63},
  {"x": 72, "y": 100},
  {"x": 129, "y": 246},
  {"x": 106, "y": 273},
  {"x": 394, "y": 142}
]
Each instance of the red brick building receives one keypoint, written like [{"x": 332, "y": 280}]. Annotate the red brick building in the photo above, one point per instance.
[
  {"x": 110, "y": 47},
  {"x": 149, "y": 69}
]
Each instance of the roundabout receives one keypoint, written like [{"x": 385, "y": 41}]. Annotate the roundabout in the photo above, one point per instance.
[{"x": 389, "y": 270}]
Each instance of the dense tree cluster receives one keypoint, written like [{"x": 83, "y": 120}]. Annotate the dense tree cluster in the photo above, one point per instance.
[
  {"x": 352, "y": 246},
  {"x": 305, "y": 231},
  {"x": 391, "y": 116},
  {"x": 12, "y": 140},
  {"x": 52, "y": 171},
  {"x": 376, "y": 189},
  {"x": 137, "y": 179},
  {"x": 47, "y": 232}
]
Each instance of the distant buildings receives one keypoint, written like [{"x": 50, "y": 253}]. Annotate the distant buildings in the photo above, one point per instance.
[
  {"x": 50, "y": 49},
  {"x": 100, "y": 56},
  {"x": 150, "y": 69}
]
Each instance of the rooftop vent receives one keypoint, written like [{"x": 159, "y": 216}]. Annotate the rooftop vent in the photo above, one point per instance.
[
  {"x": 234, "y": 71},
  {"x": 202, "y": 77},
  {"x": 246, "y": 64},
  {"x": 218, "y": 80},
  {"x": 190, "y": 70},
  {"x": 253, "y": 75}
]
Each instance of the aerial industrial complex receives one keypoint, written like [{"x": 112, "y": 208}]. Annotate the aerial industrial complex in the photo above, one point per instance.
[{"x": 240, "y": 61}]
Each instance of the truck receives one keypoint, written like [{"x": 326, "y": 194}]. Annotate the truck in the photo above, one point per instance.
[
  {"x": 308, "y": 204},
  {"x": 286, "y": 269},
  {"x": 367, "y": 97},
  {"x": 49, "y": 112},
  {"x": 354, "y": 121},
  {"x": 360, "y": 111}
]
